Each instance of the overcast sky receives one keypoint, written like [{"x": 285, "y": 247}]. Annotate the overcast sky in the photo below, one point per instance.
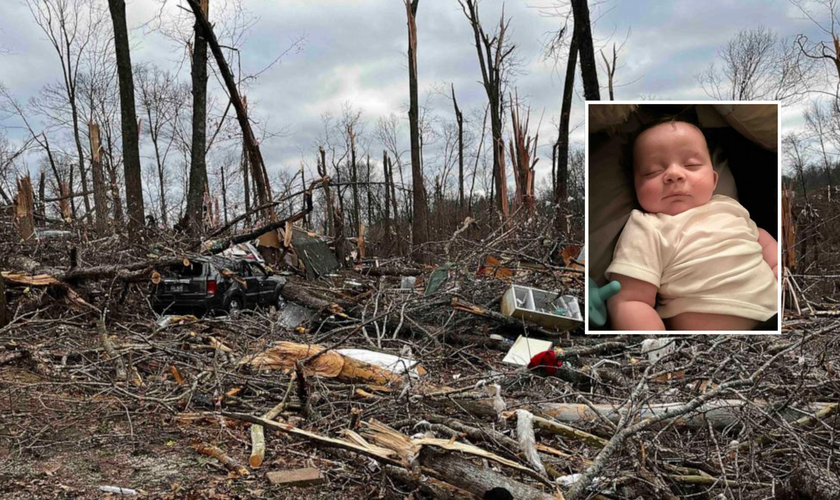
[{"x": 354, "y": 52}]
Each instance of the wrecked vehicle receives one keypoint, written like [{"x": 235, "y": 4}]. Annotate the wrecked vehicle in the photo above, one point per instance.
[{"x": 215, "y": 285}]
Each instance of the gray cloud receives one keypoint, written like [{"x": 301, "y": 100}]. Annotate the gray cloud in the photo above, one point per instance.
[{"x": 354, "y": 52}]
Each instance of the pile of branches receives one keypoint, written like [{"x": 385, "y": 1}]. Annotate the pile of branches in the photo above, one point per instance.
[{"x": 738, "y": 416}]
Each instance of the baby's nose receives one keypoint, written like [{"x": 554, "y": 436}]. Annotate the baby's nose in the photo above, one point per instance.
[{"x": 674, "y": 173}]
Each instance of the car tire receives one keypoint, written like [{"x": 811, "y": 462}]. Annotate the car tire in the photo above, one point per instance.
[{"x": 234, "y": 306}]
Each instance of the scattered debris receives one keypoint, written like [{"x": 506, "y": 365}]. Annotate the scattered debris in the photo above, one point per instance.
[
  {"x": 524, "y": 349},
  {"x": 658, "y": 348},
  {"x": 426, "y": 395},
  {"x": 117, "y": 490},
  {"x": 548, "y": 309},
  {"x": 315, "y": 257}
]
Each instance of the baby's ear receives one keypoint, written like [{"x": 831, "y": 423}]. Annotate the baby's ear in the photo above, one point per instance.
[{"x": 716, "y": 178}]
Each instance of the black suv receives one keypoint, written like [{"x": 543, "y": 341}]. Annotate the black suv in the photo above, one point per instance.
[{"x": 214, "y": 285}]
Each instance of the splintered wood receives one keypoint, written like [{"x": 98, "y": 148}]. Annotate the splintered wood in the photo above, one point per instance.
[
  {"x": 24, "y": 209},
  {"x": 285, "y": 355}
]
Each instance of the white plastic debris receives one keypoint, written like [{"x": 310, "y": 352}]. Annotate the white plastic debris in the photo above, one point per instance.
[
  {"x": 390, "y": 362},
  {"x": 118, "y": 490},
  {"x": 526, "y": 439},
  {"x": 408, "y": 282},
  {"x": 524, "y": 349},
  {"x": 495, "y": 392},
  {"x": 53, "y": 234},
  {"x": 573, "y": 478},
  {"x": 657, "y": 349}
]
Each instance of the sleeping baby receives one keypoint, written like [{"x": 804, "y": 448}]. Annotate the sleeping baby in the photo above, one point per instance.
[{"x": 691, "y": 260}]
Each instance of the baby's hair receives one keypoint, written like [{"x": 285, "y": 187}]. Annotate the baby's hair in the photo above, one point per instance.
[{"x": 686, "y": 115}]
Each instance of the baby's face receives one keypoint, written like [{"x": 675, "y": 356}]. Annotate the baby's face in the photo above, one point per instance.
[{"x": 672, "y": 169}]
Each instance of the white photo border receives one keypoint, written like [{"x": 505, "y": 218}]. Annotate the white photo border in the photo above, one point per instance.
[{"x": 780, "y": 314}]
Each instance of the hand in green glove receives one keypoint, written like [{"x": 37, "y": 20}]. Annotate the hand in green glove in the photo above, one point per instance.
[{"x": 598, "y": 301}]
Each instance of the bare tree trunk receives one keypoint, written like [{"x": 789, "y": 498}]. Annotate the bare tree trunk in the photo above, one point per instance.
[
  {"x": 322, "y": 171},
  {"x": 394, "y": 204},
  {"x": 588, "y": 67},
  {"x": 224, "y": 194},
  {"x": 386, "y": 220},
  {"x": 258, "y": 172},
  {"x": 198, "y": 165},
  {"x": 42, "y": 204},
  {"x": 491, "y": 57},
  {"x": 419, "y": 222},
  {"x": 4, "y": 312},
  {"x": 340, "y": 239},
  {"x": 77, "y": 137},
  {"x": 115, "y": 187},
  {"x": 307, "y": 219},
  {"x": 51, "y": 159},
  {"x": 131, "y": 150},
  {"x": 99, "y": 197},
  {"x": 71, "y": 189},
  {"x": 561, "y": 185},
  {"x": 459, "y": 118},
  {"x": 369, "y": 196},
  {"x": 70, "y": 212},
  {"x": 154, "y": 133},
  {"x": 354, "y": 179}
]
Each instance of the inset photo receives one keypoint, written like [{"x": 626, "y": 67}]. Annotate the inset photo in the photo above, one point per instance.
[{"x": 683, "y": 217}]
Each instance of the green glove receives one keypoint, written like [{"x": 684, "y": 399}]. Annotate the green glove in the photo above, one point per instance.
[{"x": 598, "y": 301}]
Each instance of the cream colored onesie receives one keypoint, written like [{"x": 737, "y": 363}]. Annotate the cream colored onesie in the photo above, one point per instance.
[{"x": 705, "y": 260}]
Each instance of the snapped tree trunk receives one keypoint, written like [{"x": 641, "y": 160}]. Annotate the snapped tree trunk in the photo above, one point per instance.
[
  {"x": 198, "y": 165},
  {"x": 459, "y": 118},
  {"x": 131, "y": 149},
  {"x": 419, "y": 233},
  {"x": 523, "y": 151},
  {"x": 24, "y": 209},
  {"x": 99, "y": 197}
]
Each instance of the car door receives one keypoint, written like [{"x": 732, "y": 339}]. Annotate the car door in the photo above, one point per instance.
[
  {"x": 252, "y": 284},
  {"x": 265, "y": 285}
]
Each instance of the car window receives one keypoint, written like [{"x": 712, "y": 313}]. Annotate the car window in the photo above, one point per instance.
[
  {"x": 193, "y": 270},
  {"x": 244, "y": 269},
  {"x": 256, "y": 269}
]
